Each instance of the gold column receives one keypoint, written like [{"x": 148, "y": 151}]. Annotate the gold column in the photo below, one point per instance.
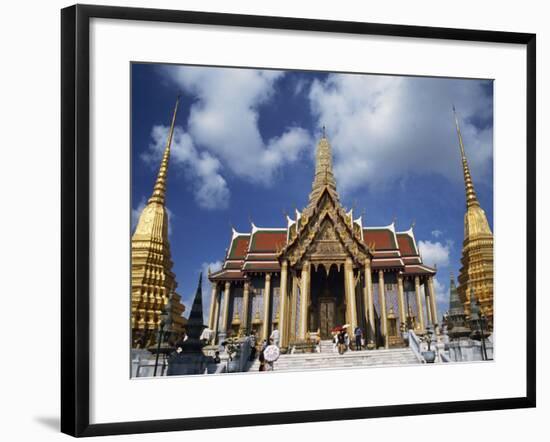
[
  {"x": 382, "y": 302},
  {"x": 293, "y": 309},
  {"x": 419, "y": 307},
  {"x": 244, "y": 321},
  {"x": 283, "y": 329},
  {"x": 433, "y": 300},
  {"x": 429, "y": 318},
  {"x": 211, "y": 317},
  {"x": 351, "y": 306},
  {"x": 267, "y": 292},
  {"x": 216, "y": 314},
  {"x": 401, "y": 299},
  {"x": 369, "y": 304},
  {"x": 225, "y": 312},
  {"x": 304, "y": 300}
]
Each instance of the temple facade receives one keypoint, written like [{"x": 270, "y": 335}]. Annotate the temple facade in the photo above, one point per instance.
[
  {"x": 476, "y": 272},
  {"x": 153, "y": 282},
  {"x": 323, "y": 269}
]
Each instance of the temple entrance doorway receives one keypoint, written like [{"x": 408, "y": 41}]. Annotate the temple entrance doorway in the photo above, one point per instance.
[
  {"x": 327, "y": 316},
  {"x": 327, "y": 300}
]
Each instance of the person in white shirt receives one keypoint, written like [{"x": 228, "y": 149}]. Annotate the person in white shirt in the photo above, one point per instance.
[{"x": 275, "y": 337}]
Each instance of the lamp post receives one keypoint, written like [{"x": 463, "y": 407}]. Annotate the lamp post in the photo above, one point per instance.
[
  {"x": 478, "y": 322},
  {"x": 482, "y": 324},
  {"x": 429, "y": 355},
  {"x": 163, "y": 320},
  {"x": 409, "y": 313}
]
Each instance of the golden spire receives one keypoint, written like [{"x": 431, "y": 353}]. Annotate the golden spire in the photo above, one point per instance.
[
  {"x": 477, "y": 247},
  {"x": 159, "y": 191},
  {"x": 471, "y": 197},
  {"x": 153, "y": 282},
  {"x": 324, "y": 176}
]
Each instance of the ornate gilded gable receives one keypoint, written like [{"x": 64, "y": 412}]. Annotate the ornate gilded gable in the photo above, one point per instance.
[{"x": 325, "y": 233}]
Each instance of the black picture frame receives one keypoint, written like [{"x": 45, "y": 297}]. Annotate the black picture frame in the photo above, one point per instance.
[{"x": 75, "y": 212}]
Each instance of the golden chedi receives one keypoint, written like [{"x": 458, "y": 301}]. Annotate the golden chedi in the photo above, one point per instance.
[
  {"x": 476, "y": 272},
  {"x": 153, "y": 282}
]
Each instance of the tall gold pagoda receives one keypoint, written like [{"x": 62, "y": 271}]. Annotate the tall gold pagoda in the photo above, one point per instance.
[
  {"x": 153, "y": 282},
  {"x": 476, "y": 272}
]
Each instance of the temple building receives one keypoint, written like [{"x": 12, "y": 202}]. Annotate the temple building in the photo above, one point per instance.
[
  {"x": 153, "y": 282},
  {"x": 323, "y": 269},
  {"x": 476, "y": 273}
]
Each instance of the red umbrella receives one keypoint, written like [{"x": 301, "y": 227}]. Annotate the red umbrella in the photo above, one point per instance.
[{"x": 337, "y": 329}]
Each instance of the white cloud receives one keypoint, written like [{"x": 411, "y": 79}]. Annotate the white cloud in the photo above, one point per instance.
[
  {"x": 136, "y": 212},
  {"x": 434, "y": 253},
  {"x": 441, "y": 292},
  {"x": 442, "y": 295},
  {"x": 213, "y": 266},
  {"x": 300, "y": 86},
  {"x": 385, "y": 128},
  {"x": 224, "y": 120},
  {"x": 437, "y": 233},
  {"x": 201, "y": 168}
]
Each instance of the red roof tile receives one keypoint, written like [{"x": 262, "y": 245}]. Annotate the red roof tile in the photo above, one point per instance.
[
  {"x": 239, "y": 246},
  {"x": 406, "y": 244},
  {"x": 383, "y": 239},
  {"x": 268, "y": 240}
]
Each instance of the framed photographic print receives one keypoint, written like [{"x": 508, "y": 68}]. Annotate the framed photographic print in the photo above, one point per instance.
[{"x": 272, "y": 206}]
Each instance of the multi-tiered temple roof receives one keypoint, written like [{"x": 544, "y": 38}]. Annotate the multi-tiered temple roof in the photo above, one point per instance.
[{"x": 259, "y": 250}]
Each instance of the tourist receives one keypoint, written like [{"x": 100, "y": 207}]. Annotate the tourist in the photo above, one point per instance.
[
  {"x": 342, "y": 341},
  {"x": 347, "y": 338},
  {"x": 262, "y": 360},
  {"x": 206, "y": 336},
  {"x": 252, "y": 342},
  {"x": 217, "y": 358},
  {"x": 358, "y": 338},
  {"x": 275, "y": 337}
]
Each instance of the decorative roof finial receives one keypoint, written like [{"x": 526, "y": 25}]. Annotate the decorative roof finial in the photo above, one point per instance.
[
  {"x": 471, "y": 197},
  {"x": 159, "y": 192},
  {"x": 324, "y": 131},
  {"x": 324, "y": 175}
]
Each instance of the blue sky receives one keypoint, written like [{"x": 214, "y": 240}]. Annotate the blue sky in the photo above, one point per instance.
[{"x": 244, "y": 150}]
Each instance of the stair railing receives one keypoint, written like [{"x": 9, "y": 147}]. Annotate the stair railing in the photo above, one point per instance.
[{"x": 415, "y": 346}]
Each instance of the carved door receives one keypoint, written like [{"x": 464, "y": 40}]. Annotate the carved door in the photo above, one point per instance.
[{"x": 327, "y": 310}]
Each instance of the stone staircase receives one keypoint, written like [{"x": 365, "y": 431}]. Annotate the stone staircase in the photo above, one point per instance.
[
  {"x": 327, "y": 347},
  {"x": 329, "y": 359}
]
